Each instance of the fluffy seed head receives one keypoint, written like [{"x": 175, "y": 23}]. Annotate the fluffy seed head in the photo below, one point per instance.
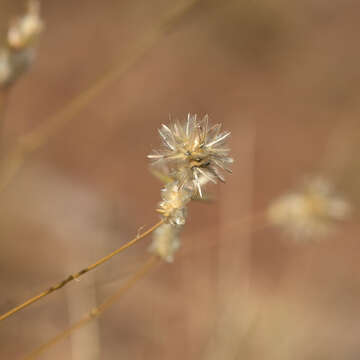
[
  {"x": 5, "y": 67},
  {"x": 193, "y": 151},
  {"x": 25, "y": 30},
  {"x": 310, "y": 212},
  {"x": 165, "y": 242}
]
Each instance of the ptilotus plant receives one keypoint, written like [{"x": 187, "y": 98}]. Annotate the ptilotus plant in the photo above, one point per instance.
[
  {"x": 196, "y": 138},
  {"x": 22, "y": 37},
  {"x": 195, "y": 154},
  {"x": 19, "y": 52}
]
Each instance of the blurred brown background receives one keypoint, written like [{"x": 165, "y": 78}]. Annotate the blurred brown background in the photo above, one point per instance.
[{"x": 283, "y": 76}]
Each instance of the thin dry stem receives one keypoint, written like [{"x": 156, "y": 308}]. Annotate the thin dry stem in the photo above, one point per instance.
[
  {"x": 40, "y": 136},
  {"x": 72, "y": 277},
  {"x": 96, "y": 311}
]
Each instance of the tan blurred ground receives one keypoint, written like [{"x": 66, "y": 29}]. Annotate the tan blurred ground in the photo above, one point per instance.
[{"x": 283, "y": 76}]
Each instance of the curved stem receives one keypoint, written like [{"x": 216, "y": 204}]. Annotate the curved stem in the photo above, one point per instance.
[{"x": 72, "y": 277}]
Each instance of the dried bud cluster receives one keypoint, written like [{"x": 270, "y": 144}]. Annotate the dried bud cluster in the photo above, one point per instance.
[
  {"x": 310, "y": 212},
  {"x": 173, "y": 205},
  {"x": 19, "y": 52},
  {"x": 166, "y": 242},
  {"x": 193, "y": 154}
]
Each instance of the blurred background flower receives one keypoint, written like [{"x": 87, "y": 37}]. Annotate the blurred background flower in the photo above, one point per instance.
[{"x": 310, "y": 212}]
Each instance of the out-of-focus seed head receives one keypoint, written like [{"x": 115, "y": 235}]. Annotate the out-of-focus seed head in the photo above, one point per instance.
[
  {"x": 165, "y": 242},
  {"x": 25, "y": 31},
  {"x": 173, "y": 205},
  {"x": 309, "y": 212},
  {"x": 13, "y": 64},
  {"x": 5, "y": 67},
  {"x": 194, "y": 152}
]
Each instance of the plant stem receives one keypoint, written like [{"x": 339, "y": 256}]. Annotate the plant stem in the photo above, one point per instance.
[
  {"x": 96, "y": 311},
  {"x": 72, "y": 277}
]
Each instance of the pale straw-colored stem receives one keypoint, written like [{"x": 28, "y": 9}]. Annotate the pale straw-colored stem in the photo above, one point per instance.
[
  {"x": 97, "y": 311},
  {"x": 72, "y": 277}
]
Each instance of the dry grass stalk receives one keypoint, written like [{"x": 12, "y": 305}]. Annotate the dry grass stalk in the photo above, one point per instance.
[
  {"x": 75, "y": 276},
  {"x": 97, "y": 311}
]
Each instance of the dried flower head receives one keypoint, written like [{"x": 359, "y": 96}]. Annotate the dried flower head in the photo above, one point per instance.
[
  {"x": 193, "y": 151},
  {"x": 25, "y": 30},
  {"x": 165, "y": 242},
  {"x": 173, "y": 205},
  {"x": 310, "y": 212}
]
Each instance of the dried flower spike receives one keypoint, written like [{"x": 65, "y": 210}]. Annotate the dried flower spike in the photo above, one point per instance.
[
  {"x": 165, "y": 242},
  {"x": 193, "y": 151},
  {"x": 25, "y": 30},
  {"x": 173, "y": 205},
  {"x": 310, "y": 212}
]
